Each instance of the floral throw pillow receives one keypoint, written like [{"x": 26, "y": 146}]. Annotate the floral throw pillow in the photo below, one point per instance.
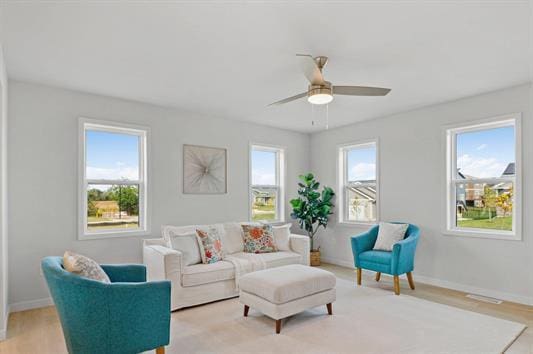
[
  {"x": 210, "y": 245},
  {"x": 258, "y": 239}
]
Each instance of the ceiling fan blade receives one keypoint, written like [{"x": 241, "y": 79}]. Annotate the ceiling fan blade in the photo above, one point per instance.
[
  {"x": 360, "y": 91},
  {"x": 289, "y": 99},
  {"x": 310, "y": 69}
]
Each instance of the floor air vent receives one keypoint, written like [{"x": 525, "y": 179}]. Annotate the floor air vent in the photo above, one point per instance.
[{"x": 490, "y": 300}]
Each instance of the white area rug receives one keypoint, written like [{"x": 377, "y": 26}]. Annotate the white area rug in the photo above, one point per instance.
[{"x": 365, "y": 320}]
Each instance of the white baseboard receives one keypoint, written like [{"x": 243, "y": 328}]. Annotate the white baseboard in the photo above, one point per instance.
[
  {"x": 3, "y": 330},
  {"x": 525, "y": 300},
  {"x": 501, "y": 295},
  {"x": 28, "y": 305},
  {"x": 337, "y": 262}
]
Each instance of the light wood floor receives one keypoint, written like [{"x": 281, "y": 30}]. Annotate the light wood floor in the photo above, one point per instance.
[{"x": 39, "y": 331}]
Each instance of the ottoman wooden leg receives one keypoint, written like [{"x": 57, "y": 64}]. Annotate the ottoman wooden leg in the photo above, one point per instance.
[
  {"x": 246, "y": 309},
  {"x": 330, "y": 309},
  {"x": 278, "y": 326}
]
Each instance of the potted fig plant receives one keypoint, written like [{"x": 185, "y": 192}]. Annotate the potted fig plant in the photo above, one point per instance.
[{"x": 312, "y": 209}]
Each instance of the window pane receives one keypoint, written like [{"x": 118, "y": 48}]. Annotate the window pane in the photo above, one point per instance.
[
  {"x": 263, "y": 167},
  {"x": 486, "y": 153},
  {"x": 112, "y": 156},
  {"x": 112, "y": 207},
  {"x": 485, "y": 205},
  {"x": 361, "y": 203},
  {"x": 361, "y": 164},
  {"x": 264, "y": 203}
]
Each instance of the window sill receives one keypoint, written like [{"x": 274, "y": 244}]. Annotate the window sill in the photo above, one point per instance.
[
  {"x": 481, "y": 234},
  {"x": 270, "y": 222},
  {"x": 113, "y": 234},
  {"x": 357, "y": 223}
]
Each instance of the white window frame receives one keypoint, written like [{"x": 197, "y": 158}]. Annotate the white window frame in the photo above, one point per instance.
[
  {"x": 280, "y": 180},
  {"x": 86, "y": 124},
  {"x": 342, "y": 179},
  {"x": 452, "y": 181}
]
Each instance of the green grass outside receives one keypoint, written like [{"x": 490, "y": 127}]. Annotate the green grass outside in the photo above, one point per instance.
[
  {"x": 95, "y": 219},
  {"x": 503, "y": 223},
  {"x": 263, "y": 207},
  {"x": 122, "y": 226},
  {"x": 264, "y": 216}
]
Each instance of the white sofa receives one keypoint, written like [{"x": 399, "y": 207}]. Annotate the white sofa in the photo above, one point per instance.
[{"x": 201, "y": 283}]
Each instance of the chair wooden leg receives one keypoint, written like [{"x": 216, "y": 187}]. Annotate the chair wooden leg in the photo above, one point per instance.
[
  {"x": 278, "y": 326},
  {"x": 359, "y": 275},
  {"x": 330, "y": 308},
  {"x": 410, "y": 280},
  {"x": 160, "y": 350},
  {"x": 397, "y": 285},
  {"x": 378, "y": 276},
  {"x": 246, "y": 309}
]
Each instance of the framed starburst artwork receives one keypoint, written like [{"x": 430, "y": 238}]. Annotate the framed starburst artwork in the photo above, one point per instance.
[{"x": 204, "y": 170}]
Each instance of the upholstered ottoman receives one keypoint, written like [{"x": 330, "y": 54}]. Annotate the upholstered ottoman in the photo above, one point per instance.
[{"x": 284, "y": 291}]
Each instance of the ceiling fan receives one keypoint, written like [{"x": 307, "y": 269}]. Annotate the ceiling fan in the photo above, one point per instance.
[{"x": 321, "y": 91}]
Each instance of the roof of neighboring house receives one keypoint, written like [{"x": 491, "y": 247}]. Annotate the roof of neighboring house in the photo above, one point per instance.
[
  {"x": 106, "y": 204},
  {"x": 364, "y": 191},
  {"x": 261, "y": 193},
  {"x": 503, "y": 186},
  {"x": 509, "y": 170}
]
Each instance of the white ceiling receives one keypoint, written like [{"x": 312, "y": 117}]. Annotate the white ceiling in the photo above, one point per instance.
[{"x": 232, "y": 59}]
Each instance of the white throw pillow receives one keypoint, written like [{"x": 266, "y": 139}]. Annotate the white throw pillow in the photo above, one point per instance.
[
  {"x": 232, "y": 238},
  {"x": 388, "y": 235},
  {"x": 187, "y": 244},
  {"x": 281, "y": 236}
]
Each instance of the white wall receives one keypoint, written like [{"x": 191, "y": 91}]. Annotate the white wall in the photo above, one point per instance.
[
  {"x": 412, "y": 185},
  {"x": 43, "y": 161},
  {"x": 3, "y": 199}
]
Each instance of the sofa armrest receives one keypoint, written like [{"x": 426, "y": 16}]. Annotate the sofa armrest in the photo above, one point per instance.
[
  {"x": 162, "y": 263},
  {"x": 154, "y": 242},
  {"x": 301, "y": 245}
]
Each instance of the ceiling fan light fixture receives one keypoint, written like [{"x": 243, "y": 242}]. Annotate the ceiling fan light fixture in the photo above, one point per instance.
[
  {"x": 320, "y": 98},
  {"x": 320, "y": 94}
]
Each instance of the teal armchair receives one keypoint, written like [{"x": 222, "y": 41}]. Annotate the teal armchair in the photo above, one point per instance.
[
  {"x": 126, "y": 316},
  {"x": 400, "y": 261}
]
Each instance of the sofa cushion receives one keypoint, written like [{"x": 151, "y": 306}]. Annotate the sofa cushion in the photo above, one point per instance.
[
  {"x": 168, "y": 230},
  {"x": 284, "y": 284},
  {"x": 282, "y": 235},
  {"x": 271, "y": 260},
  {"x": 186, "y": 244},
  {"x": 198, "y": 274},
  {"x": 232, "y": 239}
]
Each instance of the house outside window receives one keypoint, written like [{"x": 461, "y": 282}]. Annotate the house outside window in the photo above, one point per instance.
[
  {"x": 113, "y": 199},
  {"x": 358, "y": 182},
  {"x": 483, "y": 179},
  {"x": 267, "y": 173}
]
